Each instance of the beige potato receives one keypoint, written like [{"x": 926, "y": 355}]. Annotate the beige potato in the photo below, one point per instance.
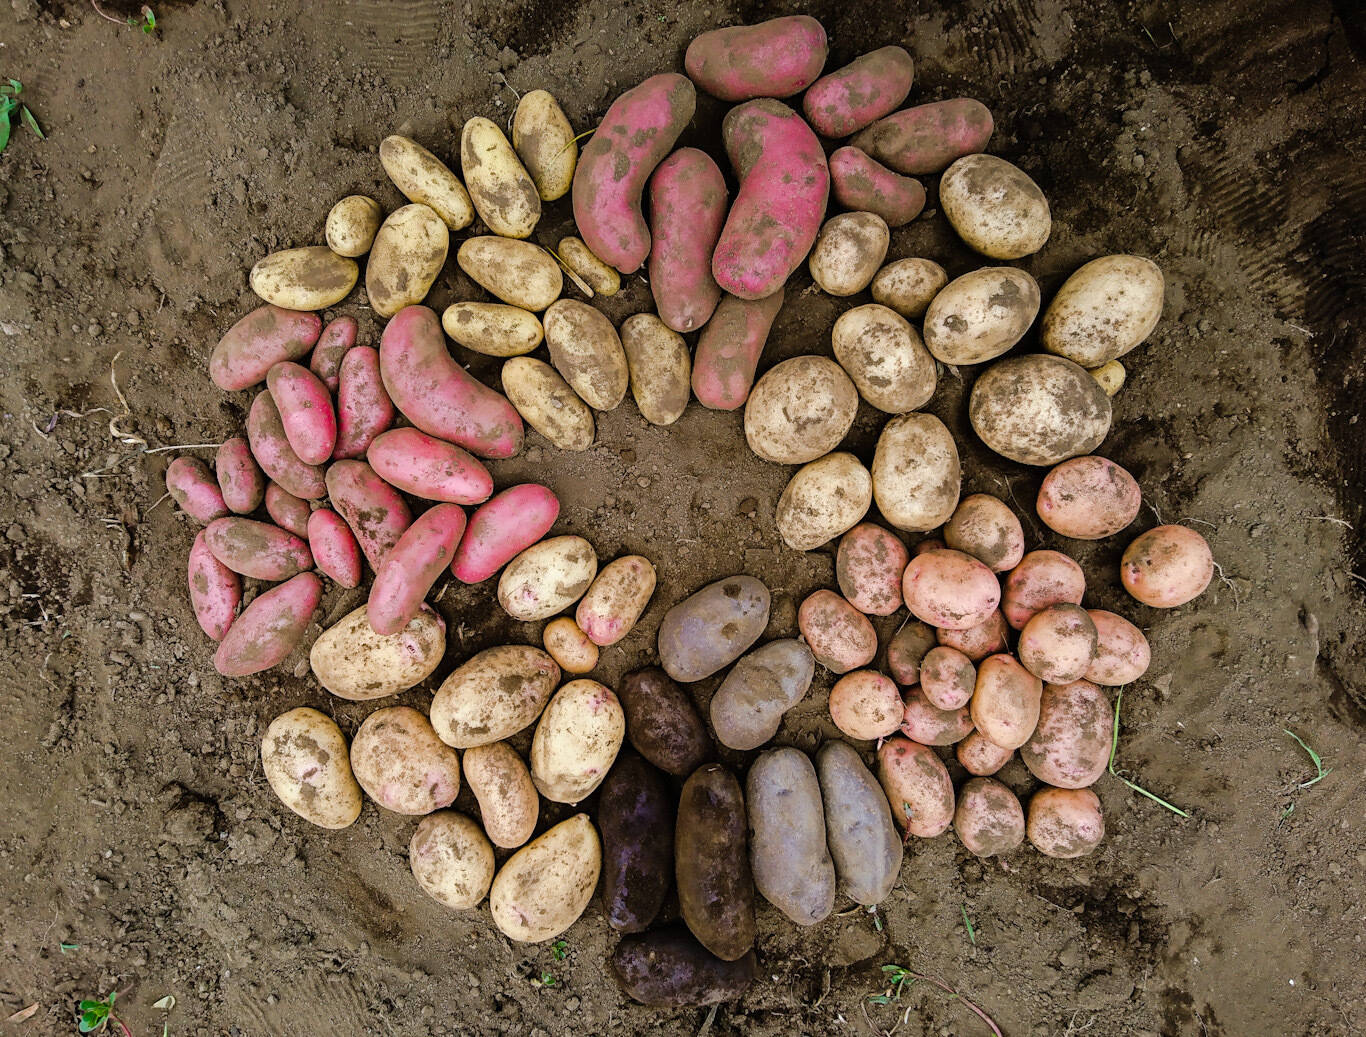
[
  {"x": 577, "y": 740},
  {"x": 545, "y": 142},
  {"x": 1005, "y": 703},
  {"x": 408, "y": 254},
  {"x": 985, "y": 527},
  {"x": 981, "y": 315},
  {"x": 660, "y": 368},
  {"x": 601, "y": 278},
  {"x": 916, "y": 473},
  {"x": 586, "y": 350},
  {"x": 995, "y": 207},
  {"x": 848, "y": 252},
  {"x": 980, "y": 756},
  {"x": 402, "y": 765},
  {"x": 425, "y": 180},
  {"x": 1039, "y": 409},
  {"x": 1065, "y": 823},
  {"x": 1104, "y": 310},
  {"x": 545, "y": 886},
  {"x": 507, "y": 799},
  {"x": 866, "y": 705},
  {"x": 1109, "y": 376},
  {"x": 614, "y": 602},
  {"x": 493, "y": 695},
  {"x": 908, "y": 285},
  {"x": 547, "y": 403},
  {"x": 917, "y": 786},
  {"x": 494, "y": 329},
  {"x": 518, "y": 272},
  {"x": 824, "y": 499},
  {"x": 800, "y": 410},
  {"x": 569, "y": 646},
  {"x": 352, "y": 224},
  {"x": 989, "y": 819},
  {"x": 1058, "y": 644},
  {"x": 502, "y": 191},
  {"x": 309, "y": 278},
  {"x": 304, "y": 757},
  {"x": 451, "y": 859},
  {"x": 1122, "y": 652},
  {"x": 883, "y": 354},
  {"x": 353, "y": 662},
  {"x": 547, "y": 578}
]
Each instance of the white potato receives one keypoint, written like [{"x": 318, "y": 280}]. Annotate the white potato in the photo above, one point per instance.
[
  {"x": 451, "y": 859},
  {"x": 800, "y": 410},
  {"x": 305, "y": 759},
  {"x": 518, "y": 272},
  {"x": 351, "y": 225},
  {"x": 980, "y": 315},
  {"x": 547, "y": 578},
  {"x": 848, "y": 252},
  {"x": 500, "y": 187},
  {"x": 309, "y": 278},
  {"x": 577, "y": 740},
  {"x": 1104, "y": 310},
  {"x": 545, "y": 141},
  {"x": 353, "y": 662},
  {"x": 493, "y": 328},
  {"x": 995, "y": 207},
  {"x": 408, "y": 254},
  {"x": 824, "y": 499},
  {"x": 884, "y": 356},
  {"x": 547, "y": 403},
  {"x": 916, "y": 473},
  {"x": 908, "y": 285},
  {"x": 425, "y": 179},
  {"x": 545, "y": 886}
]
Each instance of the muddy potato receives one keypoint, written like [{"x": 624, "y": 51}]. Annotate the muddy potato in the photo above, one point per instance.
[
  {"x": 493, "y": 328},
  {"x": 636, "y": 819},
  {"x": 885, "y": 357},
  {"x": 1109, "y": 376},
  {"x": 1058, "y": 644},
  {"x": 352, "y": 224},
  {"x": 353, "y": 662},
  {"x": 713, "y": 627},
  {"x": 863, "y": 841},
  {"x": 868, "y": 568},
  {"x": 493, "y": 695},
  {"x": 425, "y": 180},
  {"x": 787, "y": 851},
  {"x": 503, "y": 193},
  {"x": 986, "y": 638},
  {"x": 545, "y": 143},
  {"x": 569, "y": 646},
  {"x": 840, "y": 636},
  {"x": 947, "y": 678},
  {"x": 711, "y": 863},
  {"x": 586, "y": 350},
  {"x": 518, "y": 272},
  {"x": 504, "y": 790},
  {"x": 824, "y": 499},
  {"x": 924, "y": 722},
  {"x": 1167, "y": 566},
  {"x": 662, "y": 723},
  {"x": 1122, "y": 652},
  {"x": 1005, "y": 703},
  {"x": 907, "y": 649},
  {"x": 908, "y": 285},
  {"x": 995, "y": 207},
  {"x": 402, "y": 765},
  {"x": 660, "y": 368},
  {"x": 866, "y": 705},
  {"x": 547, "y": 578},
  {"x": 981, "y": 315},
  {"x": 917, "y": 476},
  {"x": 980, "y": 756},
  {"x": 576, "y": 741},
  {"x": 1070, "y": 747},
  {"x": 547, "y": 403},
  {"x": 748, "y": 707},
  {"x": 800, "y": 410},
  {"x": 408, "y": 253},
  {"x": 1039, "y": 409},
  {"x": 1065, "y": 823},
  {"x": 848, "y": 252},
  {"x": 949, "y": 589},
  {"x": 304, "y": 757},
  {"x": 1088, "y": 498},
  {"x": 668, "y": 968},
  {"x": 592, "y": 271},
  {"x": 451, "y": 859},
  {"x": 917, "y": 786},
  {"x": 545, "y": 886},
  {"x": 1104, "y": 310},
  {"x": 309, "y": 278},
  {"x": 989, "y": 819},
  {"x": 1042, "y": 578},
  {"x": 985, "y": 527},
  {"x": 613, "y": 604}
]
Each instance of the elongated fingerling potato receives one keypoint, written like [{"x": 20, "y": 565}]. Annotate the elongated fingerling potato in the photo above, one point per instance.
[
  {"x": 428, "y": 467},
  {"x": 335, "y": 551},
  {"x": 503, "y": 193},
  {"x": 408, "y": 571},
  {"x": 257, "y": 549},
  {"x": 687, "y": 210},
  {"x": 364, "y": 409},
  {"x": 215, "y": 590},
  {"x": 426, "y": 180},
  {"x": 729, "y": 349},
  {"x": 502, "y": 528},
  {"x": 337, "y": 338},
  {"x": 306, "y": 412},
  {"x": 309, "y": 278},
  {"x": 660, "y": 368},
  {"x": 373, "y": 509},
  {"x": 269, "y": 628},
  {"x": 240, "y": 478},
  {"x": 860, "y": 93}
]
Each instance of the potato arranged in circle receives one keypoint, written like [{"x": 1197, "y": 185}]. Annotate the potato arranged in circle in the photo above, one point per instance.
[
  {"x": 519, "y": 273},
  {"x": 660, "y": 368},
  {"x": 926, "y": 723},
  {"x": 547, "y": 403},
  {"x": 866, "y": 705},
  {"x": 547, "y": 578},
  {"x": 995, "y": 207},
  {"x": 613, "y": 604},
  {"x": 986, "y": 638},
  {"x": 949, "y": 589},
  {"x": 868, "y": 568},
  {"x": 1104, "y": 310},
  {"x": 916, "y": 473},
  {"x": 1058, "y": 644},
  {"x": 840, "y": 636},
  {"x": 304, "y": 757},
  {"x": 545, "y": 886},
  {"x": 917, "y": 786},
  {"x": 426, "y": 180},
  {"x": 407, "y": 255},
  {"x": 748, "y": 707},
  {"x": 947, "y": 678},
  {"x": 1005, "y": 703},
  {"x": 823, "y": 500},
  {"x": 353, "y": 662},
  {"x": 883, "y": 354},
  {"x": 569, "y": 646},
  {"x": 1042, "y": 578},
  {"x": 1039, "y": 409},
  {"x": 576, "y": 741},
  {"x": 352, "y": 224},
  {"x": 848, "y": 252},
  {"x": 787, "y": 849},
  {"x": 989, "y": 819},
  {"x": 907, "y": 649},
  {"x": 493, "y": 695},
  {"x": 981, "y": 315},
  {"x": 981, "y": 756},
  {"x": 451, "y": 859},
  {"x": 502, "y": 785},
  {"x": 800, "y": 410},
  {"x": 493, "y": 328},
  {"x": 1071, "y": 746},
  {"x": 1088, "y": 498},
  {"x": 1065, "y": 823},
  {"x": 586, "y": 350},
  {"x": 1167, "y": 566},
  {"x": 1122, "y": 652},
  {"x": 908, "y": 286},
  {"x": 401, "y": 763},
  {"x": 985, "y": 527}
]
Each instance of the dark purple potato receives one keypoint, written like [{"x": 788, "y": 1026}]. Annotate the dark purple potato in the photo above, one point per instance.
[
  {"x": 662, "y": 723},
  {"x": 711, "y": 862},
  {"x": 668, "y": 968},
  {"x": 636, "y": 821}
]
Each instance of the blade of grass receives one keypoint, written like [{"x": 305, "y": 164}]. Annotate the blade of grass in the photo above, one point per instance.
[
  {"x": 1318, "y": 763},
  {"x": 31, "y": 122},
  {"x": 972, "y": 933},
  {"x": 1114, "y": 748}
]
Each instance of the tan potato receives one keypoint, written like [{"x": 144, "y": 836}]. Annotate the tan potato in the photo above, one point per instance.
[
  {"x": 924, "y": 722},
  {"x": 304, "y": 757},
  {"x": 586, "y": 350},
  {"x": 545, "y": 142},
  {"x": 985, "y": 527},
  {"x": 614, "y": 602},
  {"x": 408, "y": 254},
  {"x": 1042, "y": 578},
  {"x": 947, "y": 678},
  {"x": 1167, "y": 566},
  {"x": 986, "y": 638},
  {"x": 547, "y": 578},
  {"x": 1122, "y": 652},
  {"x": 823, "y": 499},
  {"x": 908, "y": 285},
  {"x": 518, "y": 272},
  {"x": 493, "y": 695},
  {"x": 1088, "y": 498},
  {"x": 502, "y": 785},
  {"x": 1065, "y": 823},
  {"x": 309, "y": 278},
  {"x": 1109, "y": 376},
  {"x": 800, "y": 410},
  {"x": 995, "y": 207},
  {"x": 1070, "y": 748},
  {"x": 981, "y": 315},
  {"x": 1104, "y": 310},
  {"x": 989, "y": 819},
  {"x": 917, "y": 786},
  {"x": 544, "y": 887},
  {"x": 868, "y": 568},
  {"x": 547, "y": 403},
  {"x": 402, "y": 765},
  {"x": 353, "y": 662},
  {"x": 569, "y": 646},
  {"x": 592, "y": 271},
  {"x": 839, "y": 635},
  {"x": 848, "y": 252},
  {"x": 577, "y": 740},
  {"x": 980, "y": 756},
  {"x": 425, "y": 180},
  {"x": 1005, "y": 703},
  {"x": 1039, "y": 409},
  {"x": 660, "y": 368},
  {"x": 503, "y": 193},
  {"x": 494, "y": 329},
  {"x": 885, "y": 357},
  {"x": 866, "y": 705},
  {"x": 1058, "y": 644},
  {"x": 949, "y": 589},
  {"x": 451, "y": 859},
  {"x": 916, "y": 473},
  {"x": 352, "y": 224}
]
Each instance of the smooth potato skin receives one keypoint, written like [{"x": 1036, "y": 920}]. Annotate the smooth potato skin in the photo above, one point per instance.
[
  {"x": 600, "y": 278},
  {"x": 924, "y": 722},
  {"x": 195, "y": 489},
  {"x": 1167, "y": 566},
  {"x": 788, "y": 856},
  {"x": 425, "y": 180},
  {"x": 305, "y": 760},
  {"x": 1005, "y": 704},
  {"x": 868, "y": 568},
  {"x": 800, "y": 410},
  {"x": 351, "y": 225},
  {"x": 1058, "y": 644},
  {"x": 917, "y": 476},
  {"x": 502, "y": 785},
  {"x": 840, "y": 636},
  {"x": 502, "y": 528},
  {"x": 257, "y": 549},
  {"x": 493, "y": 695},
  {"x": 270, "y": 447},
  {"x": 1070, "y": 747},
  {"x": 240, "y": 479},
  {"x": 503, "y": 193},
  {"x": 713, "y": 627},
  {"x": 749, "y": 705},
  {"x": 364, "y": 409},
  {"x": 929, "y": 137},
  {"x": 586, "y": 349},
  {"x": 668, "y": 968},
  {"x": 545, "y": 886},
  {"x": 848, "y": 252},
  {"x": 1122, "y": 652},
  {"x": 547, "y": 578},
  {"x": 885, "y": 357},
  {"x": 545, "y": 143},
  {"x": 985, "y": 527},
  {"x": 981, "y": 315},
  {"x": 989, "y": 819},
  {"x": 949, "y": 589},
  {"x": 636, "y": 819},
  {"x": 824, "y": 499},
  {"x": 711, "y": 863},
  {"x": 729, "y": 348},
  {"x": 857, "y": 95},
  {"x": 617, "y": 597},
  {"x": 917, "y": 786},
  {"x": 215, "y": 590},
  {"x": 547, "y": 403},
  {"x": 305, "y": 407},
  {"x": 373, "y": 509},
  {"x": 1088, "y": 498},
  {"x": 353, "y": 662},
  {"x": 986, "y": 638},
  {"x": 405, "y": 259},
  {"x": 309, "y": 278},
  {"x": 1065, "y": 823},
  {"x": 1039, "y": 409},
  {"x": 402, "y": 765},
  {"x": 864, "y": 844},
  {"x": 269, "y": 628},
  {"x": 576, "y": 741},
  {"x": 866, "y": 705},
  {"x": 1104, "y": 310},
  {"x": 688, "y": 199},
  {"x": 995, "y": 207},
  {"x": 427, "y": 467},
  {"x": 660, "y": 367},
  {"x": 287, "y": 511},
  {"x": 569, "y": 646},
  {"x": 907, "y": 649},
  {"x": 518, "y": 272},
  {"x": 334, "y": 548},
  {"x": 662, "y": 723},
  {"x": 908, "y": 286},
  {"x": 451, "y": 859},
  {"x": 776, "y": 58},
  {"x": 408, "y": 571},
  {"x": 1042, "y": 578}
]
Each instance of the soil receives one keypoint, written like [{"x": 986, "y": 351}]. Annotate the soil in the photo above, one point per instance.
[{"x": 1223, "y": 140}]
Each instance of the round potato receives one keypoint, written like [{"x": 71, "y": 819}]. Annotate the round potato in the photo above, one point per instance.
[
  {"x": 592, "y": 271},
  {"x": 885, "y": 357},
  {"x": 506, "y": 795},
  {"x": 907, "y": 649},
  {"x": 518, "y": 272},
  {"x": 748, "y": 707},
  {"x": 986, "y": 638},
  {"x": 492, "y": 328},
  {"x": 989, "y": 819},
  {"x": 840, "y": 636},
  {"x": 800, "y": 410},
  {"x": 926, "y": 723},
  {"x": 660, "y": 368},
  {"x": 984, "y": 527},
  {"x": 1071, "y": 746},
  {"x": 908, "y": 285},
  {"x": 981, "y": 315},
  {"x": 576, "y": 741},
  {"x": 547, "y": 403},
  {"x": 1104, "y": 310},
  {"x": 848, "y": 252},
  {"x": 1039, "y": 409},
  {"x": 309, "y": 278},
  {"x": 868, "y": 567},
  {"x": 1065, "y": 823},
  {"x": 1167, "y": 566},
  {"x": 569, "y": 646},
  {"x": 353, "y": 662},
  {"x": 544, "y": 887},
  {"x": 980, "y": 756},
  {"x": 352, "y": 224},
  {"x": 1058, "y": 644},
  {"x": 545, "y": 143},
  {"x": 787, "y": 850},
  {"x": 493, "y": 695},
  {"x": 712, "y": 628},
  {"x": 425, "y": 180},
  {"x": 503, "y": 193},
  {"x": 1122, "y": 652},
  {"x": 949, "y": 589},
  {"x": 613, "y": 604},
  {"x": 304, "y": 757},
  {"x": 917, "y": 786},
  {"x": 451, "y": 859},
  {"x": 947, "y": 678},
  {"x": 402, "y": 765},
  {"x": 995, "y": 207},
  {"x": 823, "y": 499},
  {"x": 866, "y": 705},
  {"x": 1005, "y": 703},
  {"x": 1042, "y": 578},
  {"x": 916, "y": 473},
  {"x": 586, "y": 350},
  {"x": 1088, "y": 498},
  {"x": 547, "y": 578},
  {"x": 1109, "y": 376},
  {"x": 408, "y": 253}
]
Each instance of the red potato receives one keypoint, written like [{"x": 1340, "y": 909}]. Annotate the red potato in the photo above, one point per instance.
[
  {"x": 337, "y": 337},
  {"x": 1058, "y": 644},
  {"x": 634, "y": 136},
  {"x": 375, "y": 513},
  {"x": 1122, "y": 652},
  {"x": 1070, "y": 748},
  {"x": 917, "y": 786},
  {"x": 986, "y": 638},
  {"x": 305, "y": 408},
  {"x": 839, "y": 635},
  {"x": 334, "y": 547},
  {"x": 503, "y": 528},
  {"x": 929, "y": 137},
  {"x": 862, "y": 185},
  {"x": 428, "y": 467},
  {"x": 907, "y": 649},
  {"x": 270, "y": 447},
  {"x": 780, "y": 204},
  {"x": 269, "y": 628},
  {"x": 1065, "y": 823},
  {"x": 866, "y": 705},
  {"x": 193, "y": 487},
  {"x": 947, "y": 678},
  {"x": 411, "y": 567},
  {"x": 860, "y": 93},
  {"x": 240, "y": 478},
  {"x": 984, "y": 527},
  {"x": 687, "y": 210},
  {"x": 257, "y": 549},
  {"x": 1005, "y": 703},
  {"x": 932, "y": 544},
  {"x": 215, "y": 590},
  {"x": 364, "y": 409},
  {"x": 776, "y": 58},
  {"x": 989, "y": 819},
  {"x": 286, "y": 510},
  {"x": 729, "y": 348},
  {"x": 1167, "y": 566},
  {"x": 868, "y": 568},
  {"x": 260, "y": 340},
  {"x": 980, "y": 756},
  {"x": 1041, "y": 579},
  {"x": 438, "y": 395},
  {"x": 950, "y": 589},
  {"x": 1088, "y": 498},
  {"x": 924, "y": 722}
]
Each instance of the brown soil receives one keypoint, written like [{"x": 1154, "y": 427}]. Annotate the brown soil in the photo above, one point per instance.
[{"x": 1224, "y": 140}]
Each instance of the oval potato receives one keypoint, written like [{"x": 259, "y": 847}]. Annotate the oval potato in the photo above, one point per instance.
[
  {"x": 451, "y": 859},
  {"x": 576, "y": 741},
  {"x": 503, "y": 193},
  {"x": 885, "y": 357},
  {"x": 491, "y": 328},
  {"x": 1164, "y": 567},
  {"x": 586, "y": 350},
  {"x": 547, "y": 403},
  {"x": 980, "y": 756},
  {"x": 989, "y": 819},
  {"x": 545, "y": 886},
  {"x": 592, "y": 271},
  {"x": 823, "y": 499},
  {"x": 1122, "y": 652},
  {"x": 352, "y": 224},
  {"x": 408, "y": 254},
  {"x": 907, "y": 286},
  {"x": 547, "y": 578},
  {"x": 916, "y": 472},
  {"x": 493, "y": 695},
  {"x": 1088, "y": 498},
  {"x": 502, "y": 786},
  {"x": 949, "y": 589},
  {"x": 864, "y": 845},
  {"x": 985, "y": 527},
  {"x": 848, "y": 252},
  {"x": 353, "y": 662},
  {"x": 660, "y": 368},
  {"x": 1104, "y": 310},
  {"x": 1042, "y": 578},
  {"x": 995, "y": 207},
  {"x": 1070, "y": 747},
  {"x": 713, "y": 627},
  {"x": 917, "y": 786},
  {"x": 800, "y": 410},
  {"x": 617, "y": 597},
  {"x": 402, "y": 765},
  {"x": 787, "y": 851},
  {"x": 1005, "y": 703},
  {"x": 748, "y": 707},
  {"x": 518, "y": 272},
  {"x": 979, "y": 316},
  {"x": 924, "y": 722},
  {"x": 840, "y": 636},
  {"x": 545, "y": 142},
  {"x": 425, "y": 180},
  {"x": 304, "y": 757},
  {"x": 1065, "y": 823},
  {"x": 868, "y": 568},
  {"x": 1058, "y": 644},
  {"x": 309, "y": 278},
  {"x": 866, "y": 705},
  {"x": 569, "y": 646},
  {"x": 663, "y": 723},
  {"x": 1039, "y": 409}
]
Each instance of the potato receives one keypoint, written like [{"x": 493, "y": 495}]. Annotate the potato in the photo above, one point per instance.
[
  {"x": 337, "y": 339},
  {"x": 728, "y": 350},
  {"x": 712, "y": 628},
  {"x": 917, "y": 786},
  {"x": 402, "y": 765},
  {"x": 1088, "y": 498},
  {"x": 241, "y": 482},
  {"x": 788, "y": 856},
  {"x": 800, "y": 410},
  {"x": 949, "y": 589},
  {"x": 928, "y": 544},
  {"x": 916, "y": 473},
  {"x": 411, "y": 568},
  {"x": 848, "y": 252},
  {"x": 335, "y": 551},
  {"x": 547, "y": 403},
  {"x": 1039, "y": 409},
  {"x": 840, "y": 636},
  {"x": 502, "y": 528},
  {"x": 995, "y": 207},
  {"x": 306, "y": 412},
  {"x": 586, "y": 350},
  {"x": 502, "y": 785},
  {"x": 636, "y": 818},
  {"x": 260, "y": 340},
  {"x": 979, "y": 316},
  {"x": 309, "y": 278},
  {"x": 502, "y": 191},
  {"x": 493, "y": 695},
  {"x": 1065, "y": 823},
  {"x": 860, "y": 93},
  {"x": 408, "y": 254},
  {"x": 1005, "y": 703},
  {"x": 868, "y": 568},
  {"x": 1042, "y": 578},
  {"x": 861, "y": 184},
  {"x": 668, "y": 968},
  {"x": 980, "y": 756},
  {"x": 947, "y": 678},
  {"x": 614, "y": 602},
  {"x": 866, "y": 705},
  {"x": 776, "y": 58},
  {"x": 1070, "y": 748},
  {"x": 547, "y": 578},
  {"x": 519, "y": 272},
  {"x": 1058, "y": 644},
  {"x": 352, "y": 224},
  {"x": 634, "y": 136},
  {"x": 926, "y": 723},
  {"x": 353, "y": 662},
  {"x": 863, "y": 842},
  {"x": 270, "y": 447},
  {"x": 1164, "y": 567},
  {"x": 687, "y": 210},
  {"x": 425, "y": 180},
  {"x": 545, "y": 143},
  {"x": 215, "y": 590},
  {"x": 576, "y": 741},
  {"x": 989, "y": 819},
  {"x": 364, "y": 408},
  {"x": 907, "y": 649},
  {"x": 257, "y": 549},
  {"x": 928, "y": 137},
  {"x": 451, "y": 859},
  {"x": 986, "y": 638},
  {"x": 711, "y": 863},
  {"x": 195, "y": 489},
  {"x": 592, "y": 271},
  {"x": 985, "y": 527},
  {"x": 1109, "y": 376},
  {"x": 884, "y": 356},
  {"x": 1122, "y": 652},
  {"x": 662, "y": 723},
  {"x": 569, "y": 646},
  {"x": 660, "y": 368},
  {"x": 908, "y": 286},
  {"x": 287, "y": 511},
  {"x": 373, "y": 509},
  {"x": 545, "y": 886},
  {"x": 824, "y": 499},
  {"x": 748, "y": 707},
  {"x": 1104, "y": 310},
  {"x": 427, "y": 467},
  {"x": 493, "y": 328},
  {"x": 304, "y": 757}
]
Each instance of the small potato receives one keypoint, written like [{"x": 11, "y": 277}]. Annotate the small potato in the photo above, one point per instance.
[
  {"x": 1071, "y": 746},
  {"x": 929, "y": 544},
  {"x": 352, "y": 224},
  {"x": 787, "y": 850},
  {"x": 579, "y": 736},
  {"x": 304, "y": 757},
  {"x": 908, "y": 286},
  {"x": 979, "y": 316},
  {"x": 1042, "y": 578},
  {"x": 195, "y": 489},
  {"x": 503, "y": 193},
  {"x": 1065, "y": 823},
  {"x": 917, "y": 786},
  {"x": 995, "y": 207},
  {"x": 917, "y": 476},
  {"x": 848, "y": 252},
  {"x": 1122, "y": 652},
  {"x": 353, "y": 662},
  {"x": 713, "y": 627},
  {"x": 547, "y": 578},
  {"x": 518, "y": 272},
  {"x": 868, "y": 568},
  {"x": 858, "y": 823},
  {"x": 926, "y": 723},
  {"x": 748, "y": 707},
  {"x": 451, "y": 859},
  {"x": 885, "y": 357},
  {"x": 1166, "y": 566},
  {"x": 1104, "y": 310},
  {"x": 375, "y": 512},
  {"x": 425, "y": 180},
  {"x": 334, "y": 547},
  {"x": 980, "y": 756},
  {"x": 1058, "y": 644},
  {"x": 506, "y": 795},
  {"x": 547, "y": 403},
  {"x": 545, "y": 886},
  {"x": 287, "y": 511},
  {"x": 269, "y": 628},
  {"x": 408, "y": 254},
  {"x": 1088, "y": 498},
  {"x": 586, "y": 350},
  {"x": 569, "y": 646},
  {"x": 907, "y": 649},
  {"x": 493, "y": 695},
  {"x": 592, "y": 271},
  {"x": 617, "y": 597},
  {"x": 662, "y": 723},
  {"x": 985, "y": 527},
  {"x": 989, "y": 819},
  {"x": 1109, "y": 376},
  {"x": 660, "y": 367},
  {"x": 1005, "y": 703},
  {"x": 215, "y": 590},
  {"x": 503, "y": 527},
  {"x": 949, "y": 589},
  {"x": 305, "y": 406},
  {"x": 947, "y": 678},
  {"x": 986, "y": 638},
  {"x": 840, "y": 636},
  {"x": 545, "y": 143},
  {"x": 1039, "y": 409},
  {"x": 862, "y": 184},
  {"x": 668, "y": 968},
  {"x": 240, "y": 478},
  {"x": 866, "y": 705},
  {"x": 402, "y": 765},
  {"x": 492, "y": 328},
  {"x": 823, "y": 500},
  {"x": 309, "y": 278},
  {"x": 800, "y": 410}
]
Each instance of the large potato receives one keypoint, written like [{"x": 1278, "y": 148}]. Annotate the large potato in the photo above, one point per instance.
[
  {"x": 1122, "y": 652},
  {"x": 1088, "y": 498},
  {"x": 711, "y": 863},
  {"x": 518, "y": 272},
  {"x": 848, "y": 252},
  {"x": 868, "y": 568},
  {"x": 1005, "y": 703},
  {"x": 909, "y": 285},
  {"x": 353, "y": 662},
  {"x": 774, "y": 58},
  {"x": 586, "y": 350},
  {"x": 309, "y": 278},
  {"x": 824, "y": 499},
  {"x": 917, "y": 786},
  {"x": 660, "y": 367},
  {"x": 1042, "y": 578},
  {"x": 749, "y": 706},
  {"x": 885, "y": 357},
  {"x": 800, "y": 410},
  {"x": 500, "y": 188},
  {"x": 408, "y": 253},
  {"x": 866, "y": 705},
  {"x": 402, "y": 765},
  {"x": 545, "y": 143},
  {"x": 352, "y": 224},
  {"x": 547, "y": 403},
  {"x": 576, "y": 741},
  {"x": 1070, "y": 747},
  {"x": 924, "y": 722},
  {"x": 1058, "y": 644},
  {"x": 544, "y": 887},
  {"x": 451, "y": 859},
  {"x": 995, "y": 207},
  {"x": 1104, "y": 310},
  {"x": 981, "y": 315},
  {"x": 506, "y": 795},
  {"x": 863, "y": 842},
  {"x": 547, "y": 578},
  {"x": 989, "y": 819},
  {"x": 669, "y": 968},
  {"x": 493, "y": 328},
  {"x": 1166, "y": 566},
  {"x": 636, "y": 818},
  {"x": 985, "y": 527},
  {"x": 916, "y": 473},
  {"x": 1039, "y": 409},
  {"x": 1065, "y": 823},
  {"x": 493, "y": 695},
  {"x": 662, "y": 723},
  {"x": 613, "y": 604},
  {"x": 304, "y": 757},
  {"x": 425, "y": 180},
  {"x": 791, "y": 863},
  {"x": 949, "y": 589},
  {"x": 712, "y": 628}
]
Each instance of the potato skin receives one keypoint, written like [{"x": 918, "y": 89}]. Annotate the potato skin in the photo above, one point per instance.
[
  {"x": 729, "y": 348},
  {"x": 949, "y": 589},
  {"x": 493, "y": 328},
  {"x": 985, "y": 527},
  {"x": 980, "y": 756},
  {"x": 979, "y": 316},
  {"x": 1039, "y": 409},
  {"x": 713, "y": 627},
  {"x": 848, "y": 252},
  {"x": 872, "y": 85},
  {"x": 688, "y": 199},
  {"x": 865, "y": 705},
  {"x": 885, "y": 357},
  {"x": 503, "y": 527},
  {"x": 427, "y": 467},
  {"x": 868, "y": 568},
  {"x": 947, "y": 678},
  {"x": 1058, "y": 644},
  {"x": 861, "y": 184},
  {"x": 928, "y": 137},
  {"x": 1088, "y": 498},
  {"x": 776, "y": 58},
  {"x": 408, "y": 571},
  {"x": 788, "y": 856},
  {"x": 215, "y": 590},
  {"x": 1065, "y": 823},
  {"x": 545, "y": 143},
  {"x": 986, "y": 638},
  {"x": 600, "y": 278},
  {"x": 451, "y": 859},
  {"x": 519, "y": 273},
  {"x": 1167, "y": 566},
  {"x": 304, "y": 757},
  {"x": 405, "y": 259},
  {"x": 840, "y": 636},
  {"x": 337, "y": 339},
  {"x": 507, "y": 799},
  {"x": 863, "y": 842},
  {"x": 748, "y": 707},
  {"x": 547, "y": 578},
  {"x": 1122, "y": 652},
  {"x": 373, "y": 509},
  {"x": 547, "y": 403},
  {"x": 924, "y": 722},
  {"x": 257, "y": 549},
  {"x": 800, "y": 410},
  {"x": 364, "y": 409},
  {"x": 617, "y": 597},
  {"x": 195, "y": 489},
  {"x": 402, "y": 765},
  {"x": 270, "y": 447},
  {"x": 1104, "y": 310},
  {"x": 660, "y": 367},
  {"x": 493, "y": 695},
  {"x": 917, "y": 786},
  {"x": 353, "y": 662},
  {"x": 309, "y": 278},
  {"x": 1042, "y": 578},
  {"x": 545, "y": 886},
  {"x": 287, "y": 511},
  {"x": 908, "y": 286},
  {"x": 907, "y": 649},
  {"x": 668, "y": 968},
  {"x": 585, "y": 348},
  {"x": 1005, "y": 704},
  {"x": 1109, "y": 376},
  {"x": 1070, "y": 747},
  {"x": 351, "y": 225},
  {"x": 425, "y": 180},
  {"x": 576, "y": 741},
  {"x": 269, "y": 628},
  {"x": 823, "y": 500},
  {"x": 636, "y": 819},
  {"x": 503, "y": 193},
  {"x": 711, "y": 863},
  {"x": 569, "y": 646},
  {"x": 995, "y": 207},
  {"x": 662, "y": 723},
  {"x": 240, "y": 479},
  {"x": 917, "y": 476},
  {"x": 989, "y": 819}
]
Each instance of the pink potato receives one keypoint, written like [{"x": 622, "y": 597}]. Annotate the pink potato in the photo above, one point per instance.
[
  {"x": 776, "y": 58},
  {"x": 1005, "y": 703},
  {"x": 503, "y": 528},
  {"x": 929, "y": 137},
  {"x": 868, "y": 568},
  {"x": 1058, "y": 644},
  {"x": 1088, "y": 498},
  {"x": 863, "y": 185},
  {"x": 337, "y": 338},
  {"x": 1065, "y": 823},
  {"x": 986, "y": 638},
  {"x": 270, "y": 446},
  {"x": 240, "y": 478},
  {"x": 860, "y": 93},
  {"x": 984, "y": 527},
  {"x": 269, "y": 628},
  {"x": 1167, "y": 566},
  {"x": 286, "y": 510},
  {"x": 257, "y": 549},
  {"x": 1070, "y": 748},
  {"x": 924, "y": 722},
  {"x": 1041, "y": 579},
  {"x": 932, "y": 544},
  {"x": 411, "y": 567},
  {"x": 687, "y": 210},
  {"x": 438, "y": 395},
  {"x": 428, "y": 467},
  {"x": 364, "y": 409},
  {"x": 780, "y": 203},
  {"x": 374, "y": 511},
  {"x": 989, "y": 819},
  {"x": 215, "y": 590},
  {"x": 1122, "y": 652},
  {"x": 980, "y": 756},
  {"x": 947, "y": 678},
  {"x": 305, "y": 408},
  {"x": 950, "y": 589},
  {"x": 917, "y": 786},
  {"x": 260, "y": 340},
  {"x": 634, "y": 136},
  {"x": 907, "y": 649},
  {"x": 334, "y": 547},
  {"x": 866, "y": 705},
  {"x": 193, "y": 487},
  {"x": 839, "y": 635},
  {"x": 729, "y": 348}
]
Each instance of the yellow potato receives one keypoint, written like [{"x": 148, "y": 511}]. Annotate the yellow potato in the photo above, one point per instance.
[
  {"x": 451, "y": 859},
  {"x": 916, "y": 473},
  {"x": 586, "y": 350},
  {"x": 507, "y": 798},
  {"x": 569, "y": 646},
  {"x": 824, "y": 499},
  {"x": 579, "y": 736},
  {"x": 600, "y": 277},
  {"x": 503, "y": 193},
  {"x": 908, "y": 285},
  {"x": 492, "y": 328},
  {"x": 305, "y": 760},
  {"x": 402, "y": 765},
  {"x": 309, "y": 278},
  {"x": 547, "y": 403},
  {"x": 353, "y": 662},
  {"x": 885, "y": 357},
  {"x": 545, "y": 141},
  {"x": 351, "y": 225},
  {"x": 981, "y": 315},
  {"x": 517, "y": 272},
  {"x": 1109, "y": 376},
  {"x": 800, "y": 410},
  {"x": 995, "y": 207},
  {"x": 493, "y": 695},
  {"x": 544, "y": 887},
  {"x": 425, "y": 179},
  {"x": 616, "y": 599},
  {"x": 547, "y": 578},
  {"x": 660, "y": 368},
  {"x": 848, "y": 252},
  {"x": 1104, "y": 310},
  {"x": 408, "y": 254}
]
